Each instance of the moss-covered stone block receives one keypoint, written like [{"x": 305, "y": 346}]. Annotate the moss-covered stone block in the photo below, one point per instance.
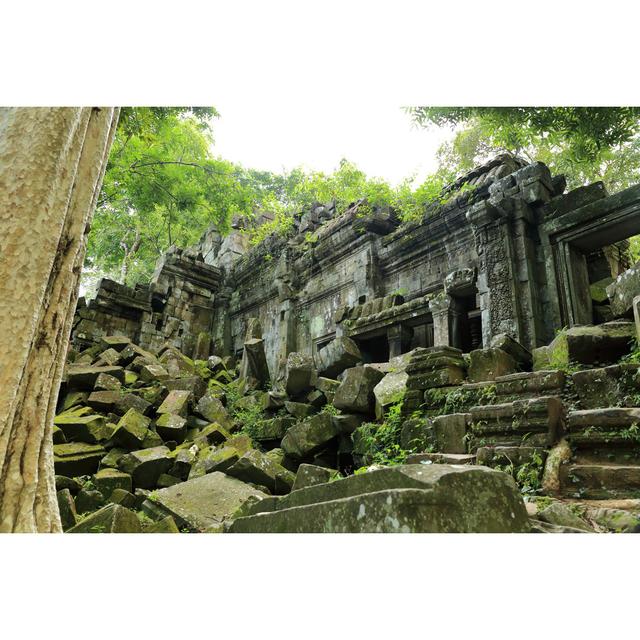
[{"x": 113, "y": 518}]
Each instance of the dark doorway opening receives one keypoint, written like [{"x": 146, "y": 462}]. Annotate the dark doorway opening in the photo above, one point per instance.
[
  {"x": 466, "y": 323},
  {"x": 374, "y": 349}
]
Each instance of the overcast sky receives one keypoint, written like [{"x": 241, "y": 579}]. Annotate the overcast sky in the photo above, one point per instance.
[{"x": 378, "y": 138}]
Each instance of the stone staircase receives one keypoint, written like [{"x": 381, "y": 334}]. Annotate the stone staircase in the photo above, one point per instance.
[
  {"x": 527, "y": 418},
  {"x": 596, "y": 411},
  {"x": 605, "y": 460}
]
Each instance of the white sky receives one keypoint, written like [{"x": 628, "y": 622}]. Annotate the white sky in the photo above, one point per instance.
[{"x": 378, "y": 138}]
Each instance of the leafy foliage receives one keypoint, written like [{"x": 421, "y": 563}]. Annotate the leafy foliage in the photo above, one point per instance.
[
  {"x": 528, "y": 475},
  {"x": 585, "y": 132},
  {"x": 162, "y": 187},
  {"x": 382, "y": 441}
]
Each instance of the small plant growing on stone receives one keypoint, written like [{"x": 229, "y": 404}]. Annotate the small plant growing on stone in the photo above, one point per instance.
[{"x": 382, "y": 441}]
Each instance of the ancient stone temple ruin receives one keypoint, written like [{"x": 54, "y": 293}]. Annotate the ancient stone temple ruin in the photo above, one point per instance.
[
  {"x": 514, "y": 254},
  {"x": 491, "y": 342}
]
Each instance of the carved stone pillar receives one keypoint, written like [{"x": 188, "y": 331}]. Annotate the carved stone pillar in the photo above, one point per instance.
[{"x": 440, "y": 307}]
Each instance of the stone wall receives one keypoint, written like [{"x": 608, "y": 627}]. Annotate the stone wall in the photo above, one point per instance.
[{"x": 490, "y": 259}]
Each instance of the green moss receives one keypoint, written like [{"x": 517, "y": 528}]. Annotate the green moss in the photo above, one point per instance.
[{"x": 202, "y": 369}]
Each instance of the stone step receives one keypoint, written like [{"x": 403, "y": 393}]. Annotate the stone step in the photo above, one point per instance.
[
  {"x": 600, "y": 481},
  {"x": 516, "y": 456},
  {"x": 539, "y": 421},
  {"x": 609, "y": 427},
  {"x": 549, "y": 382},
  {"x": 617, "y": 385},
  {"x": 441, "y": 458}
]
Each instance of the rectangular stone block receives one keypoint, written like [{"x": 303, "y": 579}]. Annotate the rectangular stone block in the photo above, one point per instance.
[
  {"x": 543, "y": 416},
  {"x": 450, "y": 432},
  {"x": 537, "y": 383}
]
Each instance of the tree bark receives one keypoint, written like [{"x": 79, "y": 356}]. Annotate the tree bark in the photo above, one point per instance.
[
  {"x": 52, "y": 162},
  {"x": 129, "y": 253}
]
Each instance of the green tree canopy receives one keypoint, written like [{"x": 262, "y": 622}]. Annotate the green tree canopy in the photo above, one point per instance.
[
  {"x": 162, "y": 187},
  {"x": 584, "y": 132}
]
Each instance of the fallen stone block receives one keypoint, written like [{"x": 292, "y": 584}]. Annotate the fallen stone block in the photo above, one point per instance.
[
  {"x": 104, "y": 401},
  {"x": 90, "y": 429},
  {"x": 131, "y": 430},
  {"x": 171, "y": 427},
  {"x": 623, "y": 290},
  {"x": 153, "y": 373},
  {"x": 88, "y": 500},
  {"x": 316, "y": 399},
  {"x": 211, "y": 408},
  {"x": 509, "y": 345},
  {"x": 166, "y": 525},
  {"x": 407, "y": 498},
  {"x": 328, "y": 387},
  {"x": 258, "y": 469},
  {"x": 106, "y": 382},
  {"x": 167, "y": 480},
  {"x": 309, "y": 475},
  {"x": 114, "y": 342},
  {"x": 309, "y": 437},
  {"x": 616, "y": 520},
  {"x": 107, "y": 480},
  {"x": 340, "y": 354},
  {"x": 176, "y": 363},
  {"x": 389, "y": 391},
  {"x": 602, "y": 344},
  {"x": 195, "y": 384},
  {"x": 355, "y": 393},
  {"x": 489, "y": 364},
  {"x": 110, "y": 461},
  {"x": 133, "y": 351},
  {"x": 62, "y": 482},
  {"x": 562, "y": 515},
  {"x": 84, "y": 377},
  {"x": 272, "y": 401},
  {"x": 273, "y": 429},
  {"x": 58, "y": 436},
  {"x": 299, "y": 374},
  {"x": 203, "y": 502},
  {"x": 77, "y": 458},
  {"x": 123, "y": 498},
  {"x": 74, "y": 399},
  {"x": 299, "y": 410},
  {"x": 176, "y": 403},
  {"x": 347, "y": 423},
  {"x": 132, "y": 400},
  {"x": 256, "y": 362},
  {"x": 184, "y": 459},
  {"x": 109, "y": 357},
  {"x": 146, "y": 466},
  {"x": 113, "y": 518}
]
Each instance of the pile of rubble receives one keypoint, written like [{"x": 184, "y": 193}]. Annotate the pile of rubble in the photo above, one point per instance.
[{"x": 159, "y": 442}]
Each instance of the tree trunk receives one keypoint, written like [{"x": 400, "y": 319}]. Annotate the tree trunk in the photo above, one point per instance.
[
  {"x": 52, "y": 162},
  {"x": 129, "y": 253}
]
